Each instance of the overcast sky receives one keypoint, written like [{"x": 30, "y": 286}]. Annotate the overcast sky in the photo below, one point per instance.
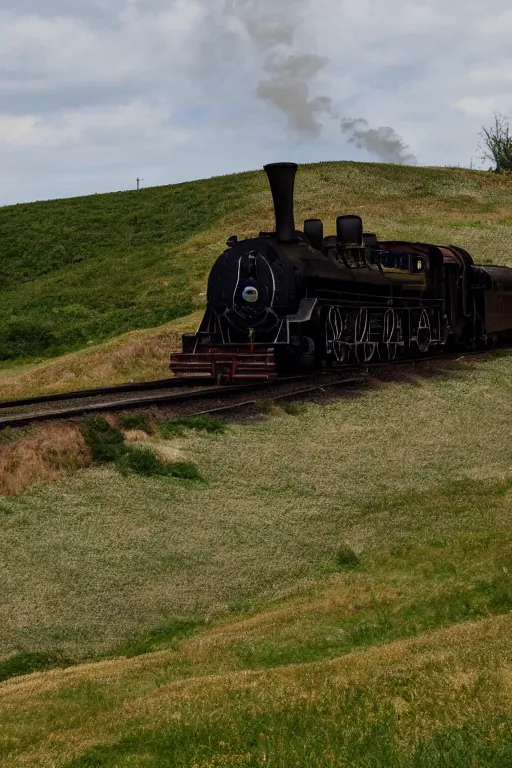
[{"x": 97, "y": 92}]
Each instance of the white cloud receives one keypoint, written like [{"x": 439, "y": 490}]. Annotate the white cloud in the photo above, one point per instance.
[
  {"x": 40, "y": 53},
  {"x": 493, "y": 76},
  {"x": 136, "y": 121},
  {"x": 94, "y": 93},
  {"x": 476, "y": 107},
  {"x": 17, "y": 131}
]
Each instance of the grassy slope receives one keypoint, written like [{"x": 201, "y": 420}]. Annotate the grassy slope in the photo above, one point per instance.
[
  {"x": 86, "y": 269},
  {"x": 134, "y": 356},
  {"x": 403, "y": 660},
  {"x": 438, "y": 701},
  {"x": 380, "y": 665}
]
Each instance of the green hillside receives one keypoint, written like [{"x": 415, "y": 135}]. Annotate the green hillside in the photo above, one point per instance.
[
  {"x": 336, "y": 592},
  {"x": 86, "y": 269},
  {"x": 333, "y": 589}
]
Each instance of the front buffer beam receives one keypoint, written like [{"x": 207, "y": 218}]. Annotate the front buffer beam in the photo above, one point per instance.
[{"x": 226, "y": 363}]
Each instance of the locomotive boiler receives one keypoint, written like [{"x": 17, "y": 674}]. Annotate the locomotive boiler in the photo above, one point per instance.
[{"x": 293, "y": 300}]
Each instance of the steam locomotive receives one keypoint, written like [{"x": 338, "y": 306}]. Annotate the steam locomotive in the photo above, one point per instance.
[{"x": 294, "y": 300}]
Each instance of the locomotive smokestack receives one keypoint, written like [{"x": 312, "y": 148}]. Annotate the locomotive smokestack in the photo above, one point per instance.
[{"x": 281, "y": 177}]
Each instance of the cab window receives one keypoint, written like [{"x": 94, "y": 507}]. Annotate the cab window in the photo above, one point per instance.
[{"x": 408, "y": 262}]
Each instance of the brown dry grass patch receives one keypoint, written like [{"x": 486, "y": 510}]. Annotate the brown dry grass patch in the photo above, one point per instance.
[{"x": 44, "y": 454}]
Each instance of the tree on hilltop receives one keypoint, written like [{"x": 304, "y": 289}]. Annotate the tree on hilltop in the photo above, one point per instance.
[{"x": 496, "y": 144}]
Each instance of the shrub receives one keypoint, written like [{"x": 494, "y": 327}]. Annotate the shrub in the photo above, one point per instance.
[
  {"x": 107, "y": 444},
  {"x": 24, "y": 339},
  {"x": 143, "y": 461},
  {"x": 203, "y": 423},
  {"x": 136, "y": 421},
  {"x": 104, "y": 442},
  {"x": 346, "y": 557},
  {"x": 185, "y": 470}
]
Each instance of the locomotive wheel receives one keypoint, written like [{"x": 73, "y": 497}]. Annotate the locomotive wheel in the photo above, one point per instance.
[
  {"x": 364, "y": 348},
  {"x": 391, "y": 332},
  {"x": 423, "y": 333},
  {"x": 336, "y": 349}
]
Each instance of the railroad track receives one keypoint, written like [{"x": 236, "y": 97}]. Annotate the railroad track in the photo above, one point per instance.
[
  {"x": 364, "y": 376},
  {"x": 141, "y": 386},
  {"x": 94, "y": 403},
  {"x": 175, "y": 392}
]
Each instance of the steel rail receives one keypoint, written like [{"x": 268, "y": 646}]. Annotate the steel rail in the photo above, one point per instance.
[
  {"x": 138, "y": 386},
  {"x": 305, "y": 390},
  {"x": 23, "y": 419},
  {"x": 193, "y": 381},
  {"x": 210, "y": 392}
]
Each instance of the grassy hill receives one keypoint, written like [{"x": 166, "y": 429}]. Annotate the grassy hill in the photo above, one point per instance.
[
  {"x": 86, "y": 269},
  {"x": 338, "y": 592}
]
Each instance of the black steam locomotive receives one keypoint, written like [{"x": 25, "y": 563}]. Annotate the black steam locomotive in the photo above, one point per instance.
[{"x": 290, "y": 300}]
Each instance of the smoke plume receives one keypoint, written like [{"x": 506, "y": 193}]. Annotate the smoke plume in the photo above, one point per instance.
[
  {"x": 382, "y": 142},
  {"x": 287, "y": 88},
  {"x": 288, "y": 74}
]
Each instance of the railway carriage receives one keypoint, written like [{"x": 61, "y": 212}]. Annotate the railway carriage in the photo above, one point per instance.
[{"x": 292, "y": 300}]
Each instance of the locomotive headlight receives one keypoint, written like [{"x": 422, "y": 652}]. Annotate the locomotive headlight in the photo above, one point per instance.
[{"x": 250, "y": 294}]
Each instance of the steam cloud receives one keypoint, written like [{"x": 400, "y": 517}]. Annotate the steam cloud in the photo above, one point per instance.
[
  {"x": 287, "y": 88},
  {"x": 382, "y": 142},
  {"x": 288, "y": 74},
  {"x": 271, "y": 25}
]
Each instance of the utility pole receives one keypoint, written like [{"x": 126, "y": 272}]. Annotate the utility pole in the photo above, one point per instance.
[{"x": 138, "y": 183}]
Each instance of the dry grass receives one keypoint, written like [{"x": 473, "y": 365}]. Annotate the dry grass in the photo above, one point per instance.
[
  {"x": 442, "y": 679},
  {"x": 134, "y": 356},
  {"x": 136, "y": 435},
  {"x": 111, "y": 558},
  {"x": 42, "y": 455},
  {"x": 282, "y": 494}
]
